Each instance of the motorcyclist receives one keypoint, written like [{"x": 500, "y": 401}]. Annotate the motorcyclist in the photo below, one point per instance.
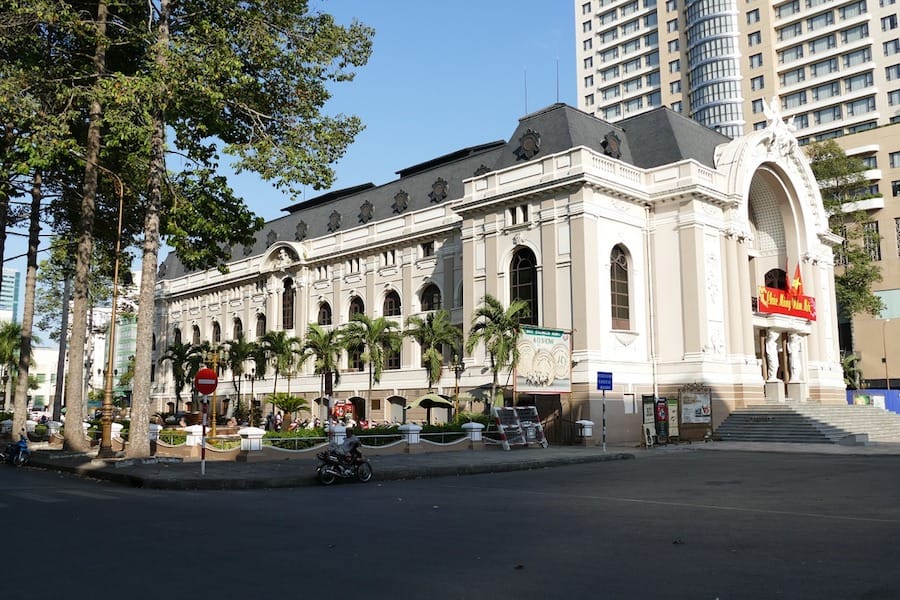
[{"x": 350, "y": 447}]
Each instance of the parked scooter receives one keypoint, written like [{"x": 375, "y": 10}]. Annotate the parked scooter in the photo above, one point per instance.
[
  {"x": 335, "y": 464},
  {"x": 16, "y": 453}
]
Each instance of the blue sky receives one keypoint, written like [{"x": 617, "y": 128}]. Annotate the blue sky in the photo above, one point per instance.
[{"x": 442, "y": 76}]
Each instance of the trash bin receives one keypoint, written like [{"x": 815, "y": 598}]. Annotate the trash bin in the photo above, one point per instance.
[{"x": 585, "y": 428}]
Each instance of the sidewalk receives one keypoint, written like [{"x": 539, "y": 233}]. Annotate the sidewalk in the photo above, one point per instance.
[{"x": 220, "y": 475}]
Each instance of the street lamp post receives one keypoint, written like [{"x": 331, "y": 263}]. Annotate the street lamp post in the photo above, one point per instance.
[
  {"x": 106, "y": 450},
  {"x": 458, "y": 367},
  {"x": 214, "y": 357},
  {"x": 251, "y": 377}
]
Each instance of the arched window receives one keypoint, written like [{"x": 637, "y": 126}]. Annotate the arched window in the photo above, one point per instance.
[
  {"x": 324, "y": 317},
  {"x": 216, "y": 332},
  {"x": 287, "y": 305},
  {"x": 620, "y": 299},
  {"x": 391, "y": 359},
  {"x": 355, "y": 358},
  {"x": 177, "y": 335},
  {"x": 776, "y": 278},
  {"x": 238, "y": 329},
  {"x": 153, "y": 342},
  {"x": 356, "y": 306},
  {"x": 523, "y": 282},
  {"x": 195, "y": 340},
  {"x": 260, "y": 325},
  {"x": 392, "y": 304},
  {"x": 431, "y": 297}
]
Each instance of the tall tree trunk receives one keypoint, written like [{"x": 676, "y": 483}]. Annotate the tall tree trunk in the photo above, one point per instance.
[
  {"x": 74, "y": 437},
  {"x": 139, "y": 431},
  {"x": 34, "y": 237},
  {"x": 61, "y": 355}
]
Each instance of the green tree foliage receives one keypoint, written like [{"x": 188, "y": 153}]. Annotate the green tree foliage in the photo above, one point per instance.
[
  {"x": 841, "y": 182},
  {"x": 180, "y": 357},
  {"x": 499, "y": 330},
  {"x": 376, "y": 337},
  {"x": 289, "y": 405},
  {"x": 325, "y": 347},
  {"x": 433, "y": 333}
]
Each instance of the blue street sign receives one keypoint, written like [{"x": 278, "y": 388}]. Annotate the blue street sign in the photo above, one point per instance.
[{"x": 604, "y": 380}]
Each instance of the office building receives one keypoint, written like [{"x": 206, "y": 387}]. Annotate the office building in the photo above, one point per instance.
[
  {"x": 831, "y": 68},
  {"x": 10, "y": 293}
]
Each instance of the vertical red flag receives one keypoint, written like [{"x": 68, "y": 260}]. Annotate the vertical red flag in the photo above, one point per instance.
[{"x": 797, "y": 282}]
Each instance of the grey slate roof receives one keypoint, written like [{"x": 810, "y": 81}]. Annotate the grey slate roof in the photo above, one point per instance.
[{"x": 651, "y": 139}]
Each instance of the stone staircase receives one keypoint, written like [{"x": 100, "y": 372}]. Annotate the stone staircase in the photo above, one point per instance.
[{"x": 810, "y": 423}]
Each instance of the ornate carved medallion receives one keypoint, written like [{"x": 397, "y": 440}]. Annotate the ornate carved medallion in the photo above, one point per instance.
[
  {"x": 401, "y": 202},
  {"x": 612, "y": 145},
  {"x": 301, "y": 232},
  {"x": 439, "y": 190},
  {"x": 365, "y": 212},
  {"x": 334, "y": 221},
  {"x": 529, "y": 144},
  {"x": 271, "y": 238}
]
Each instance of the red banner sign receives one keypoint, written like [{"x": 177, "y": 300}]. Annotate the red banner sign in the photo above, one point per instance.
[{"x": 783, "y": 302}]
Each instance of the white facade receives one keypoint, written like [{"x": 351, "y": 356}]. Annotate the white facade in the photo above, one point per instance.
[{"x": 698, "y": 222}]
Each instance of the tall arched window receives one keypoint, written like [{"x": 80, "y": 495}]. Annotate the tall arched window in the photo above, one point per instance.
[
  {"x": 431, "y": 297},
  {"x": 195, "y": 340},
  {"x": 523, "y": 282},
  {"x": 153, "y": 342},
  {"x": 324, "y": 317},
  {"x": 356, "y": 306},
  {"x": 177, "y": 335},
  {"x": 287, "y": 305},
  {"x": 620, "y": 299},
  {"x": 776, "y": 278},
  {"x": 392, "y": 304},
  {"x": 216, "y": 332},
  {"x": 260, "y": 325},
  {"x": 238, "y": 329}
]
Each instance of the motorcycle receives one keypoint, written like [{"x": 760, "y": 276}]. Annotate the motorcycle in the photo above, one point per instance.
[
  {"x": 334, "y": 464},
  {"x": 16, "y": 453}
]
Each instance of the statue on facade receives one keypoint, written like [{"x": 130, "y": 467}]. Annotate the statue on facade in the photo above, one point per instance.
[
  {"x": 772, "y": 355},
  {"x": 796, "y": 365}
]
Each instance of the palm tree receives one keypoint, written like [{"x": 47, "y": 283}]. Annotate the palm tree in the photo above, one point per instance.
[
  {"x": 182, "y": 357},
  {"x": 9, "y": 354},
  {"x": 433, "y": 333},
  {"x": 239, "y": 352},
  {"x": 376, "y": 337},
  {"x": 289, "y": 405},
  {"x": 499, "y": 330},
  {"x": 280, "y": 349},
  {"x": 325, "y": 346}
]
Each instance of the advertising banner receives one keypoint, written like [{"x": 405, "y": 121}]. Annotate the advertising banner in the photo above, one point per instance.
[{"x": 545, "y": 362}]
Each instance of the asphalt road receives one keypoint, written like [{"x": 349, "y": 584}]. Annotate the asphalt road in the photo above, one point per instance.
[{"x": 698, "y": 526}]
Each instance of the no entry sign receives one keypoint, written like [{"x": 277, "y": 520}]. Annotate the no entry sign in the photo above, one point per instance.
[{"x": 205, "y": 381}]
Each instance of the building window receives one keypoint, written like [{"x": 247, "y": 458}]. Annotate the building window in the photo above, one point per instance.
[
  {"x": 894, "y": 97},
  {"x": 752, "y": 16},
  {"x": 176, "y": 335},
  {"x": 895, "y": 189},
  {"x": 791, "y": 54},
  {"x": 356, "y": 307},
  {"x": 586, "y": 27},
  {"x": 857, "y": 57},
  {"x": 757, "y": 83},
  {"x": 823, "y": 67},
  {"x": 427, "y": 249},
  {"x": 610, "y": 73},
  {"x": 523, "y": 282},
  {"x": 672, "y": 26},
  {"x": 822, "y": 44},
  {"x": 587, "y": 44},
  {"x": 671, "y": 5},
  {"x": 237, "y": 330},
  {"x": 892, "y": 73},
  {"x": 586, "y": 8},
  {"x": 819, "y": 21},
  {"x": 756, "y": 61},
  {"x": 389, "y": 258},
  {"x": 589, "y": 81},
  {"x": 793, "y": 76},
  {"x": 430, "y": 298},
  {"x": 894, "y": 159},
  {"x": 589, "y": 100},
  {"x": 757, "y": 105},
  {"x": 675, "y": 87},
  {"x": 391, "y": 306},
  {"x": 620, "y": 300},
  {"x": 889, "y": 22},
  {"x": 260, "y": 325},
  {"x": 789, "y": 32},
  {"x": 855, "y": 34},
  {"x": 823, "y": 92},
  {"x": 897, "y": 233},
  {"x": 675, "y": 66},
  {"x": 287, "y": 305},
  {"x": 195, "y": 339},
  {"x": 794, "y": 100},
  {"x": 324, "y": 316},
  {"x": 892, "y": 47},
  {"x": 216, "y": 333},
  {"x": 754, "y": 38},
  {"x": 776, "y": 279},
  {"x": 391, "y": 360},
  {"x": 611, "y": 112},
  {"x": 517, "y": 214},
  {"x": 673, "y": 46},
  {"x": 871, "y": 240},
  {"x": 589, "y": 62},
  {"x": 632, "y": 65},
  {"x": 355, "y": 358},
  {"x": 827, "y": 115},
  {"x": 861, "y": 106},
  {"x": 852, "y": 10},
  {"x": 786, "y": 10}
]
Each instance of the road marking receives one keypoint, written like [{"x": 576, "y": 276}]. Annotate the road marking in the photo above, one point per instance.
[{"x": 84, "y": 494}]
